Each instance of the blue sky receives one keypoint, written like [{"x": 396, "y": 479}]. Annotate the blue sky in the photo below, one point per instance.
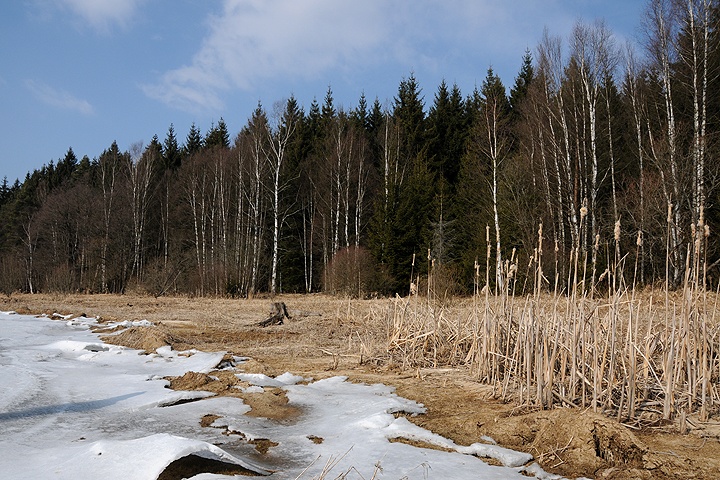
[{"x": 83, "y": 73}]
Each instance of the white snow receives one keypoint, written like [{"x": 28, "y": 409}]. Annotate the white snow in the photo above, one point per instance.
[{"x": 73, "y": 407}]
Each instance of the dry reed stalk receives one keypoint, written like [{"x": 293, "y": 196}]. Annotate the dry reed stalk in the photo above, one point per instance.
[{"x": 607, "y": 353}]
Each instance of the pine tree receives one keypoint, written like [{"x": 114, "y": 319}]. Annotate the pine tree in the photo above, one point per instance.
[
  {"x": 292, "y": 254},
  {"x": 4, "y": 191},
  {"x": 401, "y": 220},
  {"x": 154, "y": 148},
  {"x": 280, "y": 139},
  {"x": 218, "y": 136},
  {"x": 446, "y": 135},
  {"x": 328, "y": 113},
  {"x": 193, "y": 142},
  {"x": 408, "y": 111},
  {"x": 480, "y": 179},
  {"x": 522, "y": 83},
  {"x": 172, "y": 157}
]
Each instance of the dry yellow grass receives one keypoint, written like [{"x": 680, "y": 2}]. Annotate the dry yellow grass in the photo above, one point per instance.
[{"x": 431, "y": 352}]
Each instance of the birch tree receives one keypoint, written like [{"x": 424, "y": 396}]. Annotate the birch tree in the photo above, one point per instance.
[
  {"x": 662, "y": 28},
  {"x": 256, "y": 169},
  {"x": 109, "y": 165},
  {"x": 195, "y": 186},
  {"x": 140, "y": 170},
  {"x": 694, "y": 49},
  {"x": 595, "y": 53},
  {"x": 495, "y": 109},
  {"x": 279, "y": 136},
  {"x": 635, "y": 94}
]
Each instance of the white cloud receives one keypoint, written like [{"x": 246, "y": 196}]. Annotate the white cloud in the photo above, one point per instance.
[
  {"x": 59, "y": 98},
  {"x": 252, "y": 41},
  {"x": 101, "y": 14}
]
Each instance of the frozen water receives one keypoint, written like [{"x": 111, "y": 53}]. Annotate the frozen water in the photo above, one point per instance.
[{"x": 73, "y": 407}]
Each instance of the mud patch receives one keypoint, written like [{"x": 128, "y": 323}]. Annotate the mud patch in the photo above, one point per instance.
[
  {"x": 419, "y": 444},
  {"x": 272, "y": 404},
  {"x": 207, "y": 420},
  {"x": 262, "y": 445}
]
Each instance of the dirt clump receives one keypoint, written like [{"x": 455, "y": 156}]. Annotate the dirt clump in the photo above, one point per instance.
[
  {"x": 315, "y": 439},
  {"x": 570, "y": 443},
  {"x": 148, "y": 339},
  {"x": 222, "y": 383},
  {"x": 270, "y": 402}
]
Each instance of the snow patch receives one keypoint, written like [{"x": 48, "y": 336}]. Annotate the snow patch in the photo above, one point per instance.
[
  {"x": 149, "y": 456},
  {"x": 262, "y": 380}
]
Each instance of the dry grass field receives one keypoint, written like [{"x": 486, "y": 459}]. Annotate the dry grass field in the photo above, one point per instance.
[{"x": 581, "y": 384}]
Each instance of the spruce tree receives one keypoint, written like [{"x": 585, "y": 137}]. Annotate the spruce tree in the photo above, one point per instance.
[
  {"x": 172, "y": 156},
  {"x": 446, "y": 134},
  {"x": 360, "y": 114},
  {"x": 409, "y": 114},
  {"x": 522, "y": 83},
  {"x": 401, "y": 220},
  {"x": 218, "y": 136},
  {"x": 4, "y": 191},
  {"x": 193, "y": 141},
  {"x": 329, "y": 113},
  {"x": 291, "y": 242}
]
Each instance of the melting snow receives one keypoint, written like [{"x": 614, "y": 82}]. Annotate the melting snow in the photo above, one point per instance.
[{"x": 73, "y": 407}]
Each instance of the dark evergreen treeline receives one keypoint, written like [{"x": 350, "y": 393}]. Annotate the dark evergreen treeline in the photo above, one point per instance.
[{"x": 607, "y": 152}]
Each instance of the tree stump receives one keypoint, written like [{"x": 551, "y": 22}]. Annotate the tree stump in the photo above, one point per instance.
[{"x": 278, "y": 313}]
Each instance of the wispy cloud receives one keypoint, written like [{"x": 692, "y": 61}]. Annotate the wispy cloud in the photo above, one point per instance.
[
  {"x": 59, "y": 98},
  {"x": 252, "y": 41},
  {"x": 102, "y": 14}
]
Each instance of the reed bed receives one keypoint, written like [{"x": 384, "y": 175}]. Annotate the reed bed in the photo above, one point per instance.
[{"x": 645, "y": 356}]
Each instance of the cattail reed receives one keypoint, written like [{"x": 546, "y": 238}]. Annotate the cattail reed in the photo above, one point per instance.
[{"x": 617, "y": 350}]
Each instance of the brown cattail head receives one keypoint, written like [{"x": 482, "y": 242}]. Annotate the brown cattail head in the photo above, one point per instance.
[
  {"x": 617, "y": 230},
  {"x": 540, "y": 239},
  {"x": 603, "y": 275}
]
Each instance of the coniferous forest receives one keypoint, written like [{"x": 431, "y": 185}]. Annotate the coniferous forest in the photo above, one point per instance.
[{"x": 596, "y": 151}]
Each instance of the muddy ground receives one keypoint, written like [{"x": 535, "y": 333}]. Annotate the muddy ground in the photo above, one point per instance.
[{"x": 329, "y": 336}]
